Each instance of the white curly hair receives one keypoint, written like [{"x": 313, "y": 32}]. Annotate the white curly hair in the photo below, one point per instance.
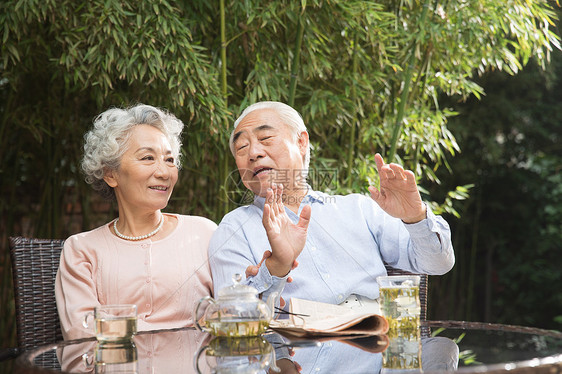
[{"x": 106, "y": 142}]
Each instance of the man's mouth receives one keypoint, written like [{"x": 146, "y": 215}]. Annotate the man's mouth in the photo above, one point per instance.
[{"x": 261, "y": 170}]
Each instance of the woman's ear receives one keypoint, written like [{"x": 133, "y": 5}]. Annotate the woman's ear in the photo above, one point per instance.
[{"x": 110, "y": 179}]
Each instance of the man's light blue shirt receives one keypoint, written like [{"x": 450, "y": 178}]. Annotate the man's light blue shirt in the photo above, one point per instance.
[{"x": 349, "y": 239}]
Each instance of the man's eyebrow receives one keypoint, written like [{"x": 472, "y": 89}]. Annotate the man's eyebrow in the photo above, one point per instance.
[
  {"x": 236, "y": 136},
  {"x": 259, "y": 128},
  {"x": 263, "y": 127}
]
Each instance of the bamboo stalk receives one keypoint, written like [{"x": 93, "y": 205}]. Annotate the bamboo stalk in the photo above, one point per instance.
[
  {"x": 407, "y": 78},
  {"x": 355, "y": 120},
  {"x": 473, "y": 254},
  {"x": 296, "y": 58},
  {"x": 223, "y": 166},
  {"x": 224, "y": 87}
]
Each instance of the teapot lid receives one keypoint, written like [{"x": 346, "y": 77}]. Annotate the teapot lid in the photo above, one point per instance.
[{"x": 237, "y": 289}]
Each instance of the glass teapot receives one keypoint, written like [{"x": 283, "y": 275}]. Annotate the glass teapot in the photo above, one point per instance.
[{"x": 237, "y": 311}]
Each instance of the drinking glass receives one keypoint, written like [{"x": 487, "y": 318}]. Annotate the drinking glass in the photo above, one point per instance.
[
  {"x": 400, "y": 303},
  {"x": 113, "y": 323}
]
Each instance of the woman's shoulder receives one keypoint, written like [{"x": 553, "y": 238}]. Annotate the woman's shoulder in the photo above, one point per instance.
[
  {"x": 98, "y": 232},
  {"x": 196, "y": 222},
  {"x": 86, "y": 243},
  {"x": 193, "y": 227}
]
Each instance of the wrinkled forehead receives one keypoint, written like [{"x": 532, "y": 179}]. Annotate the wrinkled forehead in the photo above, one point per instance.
[
  {"x": 238, "y": 132},
  {"x": 258, "y": 117},
  {"x": 257, "y": 121}
]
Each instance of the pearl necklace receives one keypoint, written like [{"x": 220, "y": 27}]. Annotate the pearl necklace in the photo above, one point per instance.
[{"x": 126, "y": 237}]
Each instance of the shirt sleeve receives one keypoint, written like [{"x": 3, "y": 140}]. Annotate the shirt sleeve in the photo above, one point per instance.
[
  {"x": 75, "y": 290},
  {"x": 430, "y": 245},
  {"x": 230, "y": 253},
  {"x": 423, "y": 247}
]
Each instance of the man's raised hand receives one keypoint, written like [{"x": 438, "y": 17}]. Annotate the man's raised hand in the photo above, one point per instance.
[
  {"x": 286, "y": 239},
  {"x": 398, "y": 194}
]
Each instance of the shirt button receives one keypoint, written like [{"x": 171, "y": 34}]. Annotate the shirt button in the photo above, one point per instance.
[
  {"x": 148, "y": 280},
  {"x": 340, "y": 297},
  {"x": 148, "y": 305},
  {"x": 326, "y": 276},
  {"x": 313, "y": 249}
]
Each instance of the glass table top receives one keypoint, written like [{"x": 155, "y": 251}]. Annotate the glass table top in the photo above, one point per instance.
[{"x": 441, "y": 346}]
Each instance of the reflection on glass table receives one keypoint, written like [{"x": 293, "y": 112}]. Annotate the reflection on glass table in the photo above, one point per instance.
[
  {"x": 240, "y": 355},
  {"x": 168, "y": 351},
  {"x": 118, "y": 357},
  {"x": 442, "y": 346},
  {"x": 358, "y": 356}
]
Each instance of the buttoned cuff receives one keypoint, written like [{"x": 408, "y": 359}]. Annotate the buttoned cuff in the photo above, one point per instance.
[
  {"x": 422, "y": 226},
  {"x": 429, "y": 230},
  {"x": 266, "y": 283}
]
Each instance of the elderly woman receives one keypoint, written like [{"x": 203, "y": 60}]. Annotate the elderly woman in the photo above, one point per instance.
[{"x": 155, "y": 260}]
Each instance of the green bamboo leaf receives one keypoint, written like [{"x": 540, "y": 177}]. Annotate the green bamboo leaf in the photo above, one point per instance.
[
  {"x": 6, "y": 33},
  {"x": 14, "y": 51}
]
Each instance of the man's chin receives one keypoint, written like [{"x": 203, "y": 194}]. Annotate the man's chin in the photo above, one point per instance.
[{"x": 258, "y": 189}]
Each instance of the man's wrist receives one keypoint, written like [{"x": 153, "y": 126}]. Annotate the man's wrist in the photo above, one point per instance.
[
  {"x": 276, "y": 269},
  {"x": 418, "y": 218}
]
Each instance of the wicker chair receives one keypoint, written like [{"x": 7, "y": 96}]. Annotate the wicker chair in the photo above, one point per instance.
[{"x": 34, "y": 266}]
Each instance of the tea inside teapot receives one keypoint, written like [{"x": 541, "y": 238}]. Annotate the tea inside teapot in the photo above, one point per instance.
[
  {"x": 236, "y": 327},
  {"x": 237, "y": 311}
]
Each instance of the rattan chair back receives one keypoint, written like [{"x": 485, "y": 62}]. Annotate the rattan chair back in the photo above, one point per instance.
[{"x": 34, "y": 267}]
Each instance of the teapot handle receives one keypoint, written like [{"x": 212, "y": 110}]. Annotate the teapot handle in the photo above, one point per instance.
[
  {"x": 198, "y": 357},
  {"x": 196, "y": 314},
  {"x": 273, "y": 367}
]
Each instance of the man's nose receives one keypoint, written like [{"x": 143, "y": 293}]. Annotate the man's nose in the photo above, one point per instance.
[{"x": 256, "y": 151}]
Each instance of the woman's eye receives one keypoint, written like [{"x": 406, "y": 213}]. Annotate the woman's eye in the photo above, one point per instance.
[
  {"x": 242, "y": 147},
  {"x": 265, "y": 138},
  {"x": 170, "y": 159},
  {"x": 147, "y": 158}
]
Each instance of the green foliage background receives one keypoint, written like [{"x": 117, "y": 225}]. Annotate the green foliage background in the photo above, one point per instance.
[
  {"x": 368, "y": 76},
  {"x": 511, "y": 227}
]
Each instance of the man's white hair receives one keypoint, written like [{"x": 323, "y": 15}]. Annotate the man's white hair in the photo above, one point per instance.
[{"x": 288, "y": 116}]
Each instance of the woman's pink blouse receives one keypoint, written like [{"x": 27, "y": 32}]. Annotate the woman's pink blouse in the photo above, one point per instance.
[{"x": 164, "y": 278}]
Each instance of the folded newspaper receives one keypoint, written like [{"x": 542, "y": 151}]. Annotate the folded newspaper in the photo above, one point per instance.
[{"x": 313, "y": 318}]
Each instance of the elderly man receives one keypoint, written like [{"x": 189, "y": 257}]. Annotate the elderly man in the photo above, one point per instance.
[{"x": 340, "y": 243}]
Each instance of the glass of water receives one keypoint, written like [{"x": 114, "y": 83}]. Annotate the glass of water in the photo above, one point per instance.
[
  {"x": 114, "y": 323},
  {"x": 400, "y": 303}
]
